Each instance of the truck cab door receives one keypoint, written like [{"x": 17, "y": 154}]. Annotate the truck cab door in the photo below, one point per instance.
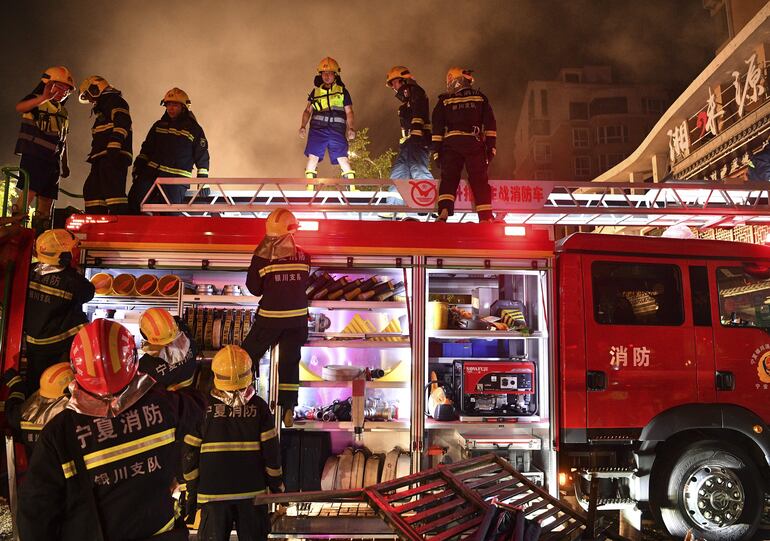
[
  {"x": 640, "y": 341},
  {"x": 741, "y": 322}
]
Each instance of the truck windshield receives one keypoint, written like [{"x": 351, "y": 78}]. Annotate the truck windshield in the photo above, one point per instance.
[{"x": 744, "y": 298}]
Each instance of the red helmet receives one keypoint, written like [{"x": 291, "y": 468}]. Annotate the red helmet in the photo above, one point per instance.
[{"x": 104, "y": 357}]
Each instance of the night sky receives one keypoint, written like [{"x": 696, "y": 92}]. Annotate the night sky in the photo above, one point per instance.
[{"x": 248, "y": 66}]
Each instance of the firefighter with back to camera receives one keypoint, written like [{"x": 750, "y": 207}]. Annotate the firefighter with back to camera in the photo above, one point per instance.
[{"x": 168, "y": 349}]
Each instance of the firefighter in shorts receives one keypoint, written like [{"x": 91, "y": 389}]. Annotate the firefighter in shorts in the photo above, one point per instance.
[
  {"x": 232, "y": 455},
  {"x": 169, "y": 349},
  {"x": 279, "y": 272},
  {"x": 103, "y": 468},
  {"x": 104, "y": 190}
]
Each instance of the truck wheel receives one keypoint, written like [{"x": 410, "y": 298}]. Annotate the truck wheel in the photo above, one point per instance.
[{"x": 712, "y": 488}]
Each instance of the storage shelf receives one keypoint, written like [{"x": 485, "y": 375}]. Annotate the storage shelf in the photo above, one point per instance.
[
  {"x": 115, "y": 301},
  {"x": 498, "y": 335},
  {"x": 357, "y": 343},
  {"x": 347, "y": 426},
  {"x": 461, "y": 426},
  {"x": 374, "y": 384},
  {"x": 248, "y": 300}
]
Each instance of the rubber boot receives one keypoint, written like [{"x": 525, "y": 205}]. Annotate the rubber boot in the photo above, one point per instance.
[{"x": 442, "y": 217}]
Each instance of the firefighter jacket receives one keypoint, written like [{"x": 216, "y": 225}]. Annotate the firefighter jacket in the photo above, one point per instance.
[
  {"x": 172, "y": 366},
  {"x": 54, "y": 310},
  {"x": 29, "y": 417},
  {"x": 13, "y": 393},
  {"x": 463, "y": 117},
  {"x": 127, "y": 463},
  {"x": 234, "y": 454},
  {"x": 112, "y": 127},
  {"x": 173, "y": 147},
  {"x": 413, "y": 114},
  {"x": 43, "y": 131},
  {"x": 329, "y": 107},
  {"x": 282, "y": 284}
]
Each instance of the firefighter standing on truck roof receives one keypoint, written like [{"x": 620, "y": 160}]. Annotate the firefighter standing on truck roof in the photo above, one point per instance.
[
  {"x": 169, "y": 349},
  {"x": 174, "y": 145},
  {"x": 30, "y": 416},
  {"x": 464, "y": 134},
  {"x": 279, "y": 273},
  {"x": 413, "y": 160},
  {"x": 103, "y": 468},
  {"x": 54, "y": 310},
  {"x": 330, "y": 112},
  {"x": 233, "y": 454},
  {"x": 105, "y": 187},
  {"x": 42, "y": 141}
]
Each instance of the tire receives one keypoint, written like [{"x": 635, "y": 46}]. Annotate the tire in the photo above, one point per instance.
[{"x": 684, "y": 500}]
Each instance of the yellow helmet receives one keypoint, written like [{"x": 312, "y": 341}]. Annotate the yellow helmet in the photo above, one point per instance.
[
  {"x": 55, "y": 379},
  {"x": 176, "y": 95},
  {"x": 456, "y": 73},
  {"x": 58, "y": 74},
  {"x": 281, "y": 222},
  {"x": 329, "y": 64},
  {"x": 232, "y": 369},
  {"x": 92, "y": 87},
  {"x": 51, "y": 244},
  {"x": 397, "y": 72},
  {"x": 158, "y": 327}
]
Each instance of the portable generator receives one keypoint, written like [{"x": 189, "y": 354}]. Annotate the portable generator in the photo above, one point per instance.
[{"x": 495, "y": 388}]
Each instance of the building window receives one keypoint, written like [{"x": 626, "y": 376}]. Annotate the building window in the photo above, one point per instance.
[
  {"x": 539, "y": 126},
  {"x": 544, "y": 102},
  {"x": 611, "y": 134},
  {"x": 582, "y": 167},
  {"x": 608, "y": 161},
  {"x": 609, "y": 106},
  {"x": 578, "y": 110},
  {"x": 581, "y": 137},
  {"x": 542, "y": 152},
  {"x": 543, "y": 174},
  {"x": 742, "y": 293},
  {"x": 637, "y": 293},
  {"x": 653, "y": 106}
]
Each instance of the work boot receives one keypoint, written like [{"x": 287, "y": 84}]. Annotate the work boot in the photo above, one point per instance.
[
  {"x": 310, "y": 173},
  {"x": 350, "y": 175},
  {"x": 288, "y": 417},
  {"x": 442, "y": 216}
]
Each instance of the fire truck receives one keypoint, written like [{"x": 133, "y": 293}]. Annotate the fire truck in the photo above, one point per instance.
[{"x": 640, "y": 362}]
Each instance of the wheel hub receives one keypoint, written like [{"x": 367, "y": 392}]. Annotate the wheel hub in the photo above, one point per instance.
[{"x": 713, "y": 497}]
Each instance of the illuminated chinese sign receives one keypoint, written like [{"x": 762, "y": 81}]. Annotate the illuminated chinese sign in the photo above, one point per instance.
[{"x": 506, "y": 194}]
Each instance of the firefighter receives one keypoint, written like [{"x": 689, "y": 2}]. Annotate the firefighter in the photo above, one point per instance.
[
  {"x": 169, "y": 349},
  {"x": 103, "y": 468},
  {"x": 233, "y": 454},
  {"x": 104, "y": 190},
  {"x": 174, "y": 145},
  {"x": 28, "y": 417},
  {"x": 55, "y": 297},
  {"x": 42, "y": 141},
  {"x": 330, "y": 112},
  {"x": 412, "y": 161},
  {"x": 464, "y": 135},
  {"x": 279, "y": 273}
]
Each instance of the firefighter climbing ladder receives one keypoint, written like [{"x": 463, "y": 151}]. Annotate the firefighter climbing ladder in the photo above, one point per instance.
[{"x": 694, "y": 203}]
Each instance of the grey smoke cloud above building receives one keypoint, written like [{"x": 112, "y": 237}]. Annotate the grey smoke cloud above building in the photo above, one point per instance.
[{"x": 249, "y": 65}]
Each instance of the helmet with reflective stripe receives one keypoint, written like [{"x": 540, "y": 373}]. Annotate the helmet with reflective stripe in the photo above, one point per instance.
[
  {"x": 397, "y": 72},
  {"x": 91, "y": 88},
  {"x": 58, "y": 74},
  {"x": 280, "y": 222},
  {"x": 329, "y": 64},
  {"x": 232, "y": 369},
  {"x": 456, "y": 73},
  {"x": 176, "y": 95},
  {"x": 55, "y": 379},
  {"x": 51, "y": 244},
  {"x": 158, "y": 326},
  {"x": 103, "y": 357}
]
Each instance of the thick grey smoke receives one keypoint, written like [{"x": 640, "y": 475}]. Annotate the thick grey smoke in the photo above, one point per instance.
[{"x": 248, "y": 66}]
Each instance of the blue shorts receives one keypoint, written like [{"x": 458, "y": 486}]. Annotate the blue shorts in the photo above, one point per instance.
[
  {"x": 43, "y": 176},
  {"x": 319, "y": 140}
]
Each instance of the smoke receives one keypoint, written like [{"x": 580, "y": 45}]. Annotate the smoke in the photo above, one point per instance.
[{"x": 248, "y": 66}]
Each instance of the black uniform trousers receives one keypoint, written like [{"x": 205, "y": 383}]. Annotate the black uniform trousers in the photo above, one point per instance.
[
  {"x": 472, "y": 156},
  {"x": 289, "y": 342},
  {"x": 104, "y": 190},
  {"x": 142, "y": 185},
  {"x": 217, "y": 519},
  {"x": 40, "y": 358}
]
